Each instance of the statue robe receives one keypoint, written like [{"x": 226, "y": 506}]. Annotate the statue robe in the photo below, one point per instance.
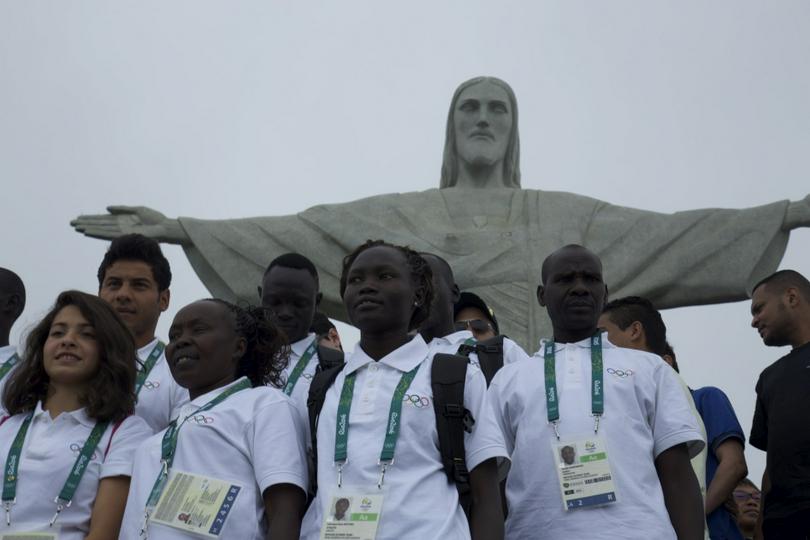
[{"x": 496, "y": 240}]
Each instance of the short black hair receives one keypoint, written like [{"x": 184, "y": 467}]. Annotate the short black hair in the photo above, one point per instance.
[
  {"x": 670, "y": 351},
  {"x": 296, "y": 261},
  {"x": 137, "y": 247},
  {"x": 420, "y": 270},
  {"x": 625, "y": 311},
  {"x": 448, "y": 270},
  {"x": 321, "y": 324},
  {"x": 784, "y": 279},
  {"x": 547, "y": 261}
]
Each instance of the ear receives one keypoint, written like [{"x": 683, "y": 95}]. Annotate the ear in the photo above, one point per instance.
[
  {"x": 792, "y": 297},
  {"x": 419, "y": 297},
  {"x": 241, "y": 348},
  {"x": 334, "y": 337},
  {"x": 541, "y": 291},
  {"x": 318, "y": 298},
  {"x": 637, "y": 332},
  {"x": 163, "y": 300},
  {"x": 455, "y": 294}
]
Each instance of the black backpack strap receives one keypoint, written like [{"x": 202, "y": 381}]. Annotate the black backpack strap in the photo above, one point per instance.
[
  {"x": 329, "y": 357},
  {"x": 448, "y": 374},
  {"x": 490, "y": 356},
  {"x": 321, "y": 382}
]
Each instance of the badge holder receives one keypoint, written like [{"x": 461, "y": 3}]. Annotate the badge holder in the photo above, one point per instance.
[
  {"x": 583, "y": 472},
  {"x": 28, "y": 531}
]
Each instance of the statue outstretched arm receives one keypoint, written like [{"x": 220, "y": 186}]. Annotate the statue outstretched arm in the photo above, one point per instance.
[
  {"x": 797, "y": 215},
  {"x": 123, "y": 220}
]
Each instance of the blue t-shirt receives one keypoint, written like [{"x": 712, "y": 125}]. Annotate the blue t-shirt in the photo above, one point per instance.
[{"x": 721, "y": 424}]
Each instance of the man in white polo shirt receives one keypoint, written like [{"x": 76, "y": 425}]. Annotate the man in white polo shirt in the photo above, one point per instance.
[
  {"x": 134, "y": 278},
  {"x": 439, "y": 330},
  {"x": 622, "y": 412},
  {"x": 12, "y": 303},
  {"x": 290, "y": 292}
]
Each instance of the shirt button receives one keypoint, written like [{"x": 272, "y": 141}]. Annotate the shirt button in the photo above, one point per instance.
[{"x": 373, "y": 368}]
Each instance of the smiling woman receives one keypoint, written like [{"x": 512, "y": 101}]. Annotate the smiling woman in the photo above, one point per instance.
[
  {"x": 241, "y": 438},
  {"x": 71, "y": 399}
]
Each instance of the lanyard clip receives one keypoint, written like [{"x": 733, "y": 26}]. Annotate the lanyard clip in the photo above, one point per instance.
[
  {"x": 596, "y": 418},
  {"x": 7, "y": 506},
  {"x": 555, "y": 425},
  {"x": 383, "y": 467},
  {"x": 144, "y": 525},
  {"x": 164, "y": 467},
  {"x": 60, "y": 505},
  {"x": 340, "y": 465}
]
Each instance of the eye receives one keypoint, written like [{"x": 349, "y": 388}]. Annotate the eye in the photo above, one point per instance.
[
  {"x": 199, "y": 329},
  {"x": 468, "y": 106},
  {"x": 56, "y": 332},
  {"x": 499, "y": 108},
  {"x": 353, "y": 280}
]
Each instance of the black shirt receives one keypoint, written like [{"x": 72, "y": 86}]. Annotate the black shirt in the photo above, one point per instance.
[{"x": 781, "y": 427}]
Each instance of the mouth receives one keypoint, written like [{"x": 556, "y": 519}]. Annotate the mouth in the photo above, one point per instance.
[
  {"x": 183, "y": 359},
  {"x": 67, "y": 357},
  {"x": 482, "y": 135},
  {"x": 124, "y": 311},
  {"x": 365, "y": 304}
]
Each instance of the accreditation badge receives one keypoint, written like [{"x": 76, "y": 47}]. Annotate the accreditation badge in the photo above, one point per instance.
[
  {"x": 352, "y": 514},
  {"x": 195, "y": 503},
  {"x": 28, "y": 531},
  {"x": 583, "y": 471}
]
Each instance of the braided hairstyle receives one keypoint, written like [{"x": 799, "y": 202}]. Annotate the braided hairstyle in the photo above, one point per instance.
[
  {"x": 421, "y": 275},
  {"x": 267, "y": 350}
]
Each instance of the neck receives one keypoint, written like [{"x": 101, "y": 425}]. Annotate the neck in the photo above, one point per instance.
[
  {"x": 567, "y": 335},
  {"x": 61, "y": 399},
  {"x": 437, "y": 330},
  {"x": 379, "y": 345},
  {"x": 194, "y": 393},
  {"x": 480, "y": 176},
  {"x": 144, "y": 339}
]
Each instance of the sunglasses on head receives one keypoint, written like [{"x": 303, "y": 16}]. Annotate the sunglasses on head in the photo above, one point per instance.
[
  {"x": 742, "y": 496},
  {"x": 473, "y": 325}
]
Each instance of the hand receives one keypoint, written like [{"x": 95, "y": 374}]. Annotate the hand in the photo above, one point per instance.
[
  {"x": 123, "y": 220},
  {"x": 798, "y": 215}
]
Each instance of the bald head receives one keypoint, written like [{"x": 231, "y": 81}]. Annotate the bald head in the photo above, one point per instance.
[
  {"x": 566, "y": 252},
  {"x": 12, "y": 301}
]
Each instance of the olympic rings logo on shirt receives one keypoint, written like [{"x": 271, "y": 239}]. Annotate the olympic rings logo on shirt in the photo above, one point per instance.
[
  {"x": 151, "y": 385},
  {"x": 416, "y": 400},
  {"x": 76, "y": 447},
  {"x": 201, "y": 419},
  {"x": 620, "y": 373}
]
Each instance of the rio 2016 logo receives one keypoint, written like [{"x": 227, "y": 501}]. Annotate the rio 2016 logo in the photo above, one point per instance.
[
  {"x": 620, "y": 373},
  {"x": 201, "y": 419},
  {"x": 420, "y": 402}
]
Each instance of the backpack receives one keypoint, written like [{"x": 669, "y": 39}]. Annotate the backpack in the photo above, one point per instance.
[
  {"x": 448, "y": 374},
  {"x": 490, "y": 355}
]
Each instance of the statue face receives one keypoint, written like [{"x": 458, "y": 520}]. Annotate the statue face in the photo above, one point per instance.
[{"x": 483, "y": 121}]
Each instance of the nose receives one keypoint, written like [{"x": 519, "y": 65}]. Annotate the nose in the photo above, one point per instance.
[
  {"x": 284, "y": 312},
  {"x": 483, "y": 117},
  {"x": 755, "y": 321},
  {"x": 123, "y": 294}
]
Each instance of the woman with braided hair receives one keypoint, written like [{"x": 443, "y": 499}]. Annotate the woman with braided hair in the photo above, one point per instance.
[{"x": 233, "y": 463}]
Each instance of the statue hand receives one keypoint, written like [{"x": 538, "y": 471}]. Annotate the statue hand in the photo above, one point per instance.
[
  {"x": 123, "y": 220},
  {"x": 798, "y": 214}
]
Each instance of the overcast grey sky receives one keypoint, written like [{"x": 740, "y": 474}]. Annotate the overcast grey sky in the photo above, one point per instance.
[{"x": 242, "y": 108}]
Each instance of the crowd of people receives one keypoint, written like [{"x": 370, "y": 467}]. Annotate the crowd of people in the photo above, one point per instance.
[{"x": 250, "y": 422}]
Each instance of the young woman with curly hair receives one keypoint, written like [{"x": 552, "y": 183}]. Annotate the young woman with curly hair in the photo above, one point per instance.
[
  {"x": 377, "y": 441},
  {"x": 233, "y": 464},
  {"x": 69, "y": 441}
]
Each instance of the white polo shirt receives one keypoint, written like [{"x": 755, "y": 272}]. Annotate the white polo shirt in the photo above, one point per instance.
[
  {"x": 419, "y": 502},
  {"x": 253, "y": 439},
  {"x": 160, "y": 398},
  {"x": 5, "y": 353},
  {"x": 48, "y": 454},
  {"x": 646, "y": 412},
  {"x": 449, "y": 344},
  {"x": 301, "y": 391}
]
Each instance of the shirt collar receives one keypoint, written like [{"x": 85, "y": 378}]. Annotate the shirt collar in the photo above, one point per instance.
[
  {"x": 456, "y": 338},
  {"x": 7, "y": 352},
  {"x": 299, "y": 347},
  {"x": 146, "y": 350},
  {"x": 199, "y": 401},
  {"x": 79, "y": 415},
  {"x": 404, "y": 359},
  {"x": 582, "y": 344}
]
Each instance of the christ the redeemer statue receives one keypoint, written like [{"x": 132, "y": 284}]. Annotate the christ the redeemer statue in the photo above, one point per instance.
[{"x": 493, "y": 233}]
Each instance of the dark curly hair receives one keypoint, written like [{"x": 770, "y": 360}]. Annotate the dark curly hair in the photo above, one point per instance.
[
  {"x": 421, "y": 275},
  {"x": 111, "y": 393},
  {"x": 267, "y": 350}
]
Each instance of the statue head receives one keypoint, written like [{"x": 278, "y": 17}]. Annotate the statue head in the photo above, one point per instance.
[{"x": 486, "y": 148}]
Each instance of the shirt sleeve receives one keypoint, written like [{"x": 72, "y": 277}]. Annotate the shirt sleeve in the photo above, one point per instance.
[
  {"x": 512, "y": 352},
  {"x": 759, "y": 427},
  {"x": 719, "y": 418},
  {"x": 277, "y": 443},
  {"x": 119, "y": 449},
  {"x": 485, "y": 441},
  {"x": 673, "y": 422}
]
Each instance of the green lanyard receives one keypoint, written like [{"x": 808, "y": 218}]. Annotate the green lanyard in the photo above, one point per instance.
[
  {"x": 148, "y": 365},
  {"x": 300, "y": 366},
  {"x": 10, "y": 363},
  {"x": 169, "y": 446},
  {"x": 65, "y": 496},
  {"x": 597, "y": 386},
  {"x": 392, "y": 430}
]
